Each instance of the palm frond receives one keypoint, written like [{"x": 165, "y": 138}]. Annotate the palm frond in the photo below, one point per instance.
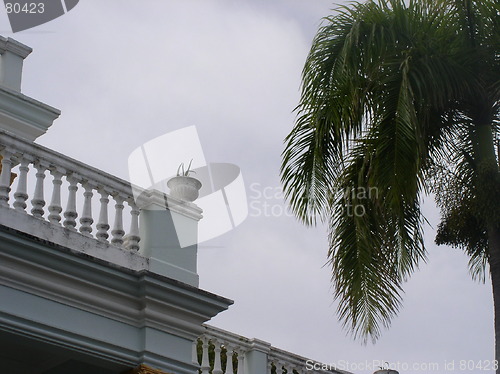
[{"x": 390, "y": 94}]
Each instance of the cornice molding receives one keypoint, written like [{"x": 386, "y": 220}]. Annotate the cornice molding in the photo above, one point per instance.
[
  {"x": 157, "y": 200},
  {"x": 11, "y": 45},
  {"x": 137, "y": 298},
  {"x": 24, "y": 116}
]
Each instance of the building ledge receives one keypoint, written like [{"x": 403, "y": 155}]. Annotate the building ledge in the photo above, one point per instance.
[{"x": 132, "y": 265}]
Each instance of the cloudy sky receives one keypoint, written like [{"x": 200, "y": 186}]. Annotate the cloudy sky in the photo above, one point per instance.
[{"x": 124, "y": 72}]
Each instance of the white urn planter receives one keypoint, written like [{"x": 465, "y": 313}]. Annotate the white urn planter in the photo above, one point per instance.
[{"x": 184, "y": 188}]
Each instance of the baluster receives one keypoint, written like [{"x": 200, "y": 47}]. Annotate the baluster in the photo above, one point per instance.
[
  {"x": 71, "y": 214},
  {"x": 194, "y": 353},
  {"x": 5, "y": 177},
  {"x": 102, "y": 224},
  {"x": 87, "y": 220},
  {"x": 133, "y": 238},
  {"x": 118, "y": 231},
  {"x": 269, "y": 366},
  {"x": 55, "y": 207},
  {"x": 205, "y": 363},
  {"x": 21, "y": 195},
  {"x": 241, "y": 361},
  {"x": 38, "y": 201},
  {"x": 289, "y": 369},
  {"x": 279, "y": 367},
  {"x": 275, "y": 364},
  {"x": 229, "y": 361},
  {"x": 217, "y": 362}
]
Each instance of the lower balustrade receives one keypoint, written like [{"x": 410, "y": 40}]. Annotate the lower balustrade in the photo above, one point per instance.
[{"x": 221, "y": 352}]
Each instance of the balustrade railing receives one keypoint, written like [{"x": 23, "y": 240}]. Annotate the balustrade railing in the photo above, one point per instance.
[
  {"x": 221, "y": 352},
  {"x": 74, "y": 191}
]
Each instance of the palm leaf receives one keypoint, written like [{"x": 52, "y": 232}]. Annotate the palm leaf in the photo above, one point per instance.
[{"x": 389, "y": 97}]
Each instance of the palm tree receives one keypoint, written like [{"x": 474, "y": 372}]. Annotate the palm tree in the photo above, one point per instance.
[{"x": 399, "y": 99}]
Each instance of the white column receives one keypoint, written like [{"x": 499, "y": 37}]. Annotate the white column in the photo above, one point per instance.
[
  {"x": 55, "y": 207},
  {"x": 217, "y": 359},
  {"x": 241, "y": 362},
  {"x": 70, "y": 214},
  {"x": 21, "y": 194},
  {"x": 103, "y": 223},
  {"x": 86, "y": 220},
  {"x": 256, "y": 357},
  {"x": 12, "y": 54},
  {"x": 118, "y": 231},
  {"x": 205, "y": 363},
  {"x": 133, "y": 238},
  {"x": 38, "y": 201},
  {"x": 5, "y": 177},
  {"x": 229, "y": 358},
  {"x": 194, "y": 353},
  {"x": 159, "y": 226}
]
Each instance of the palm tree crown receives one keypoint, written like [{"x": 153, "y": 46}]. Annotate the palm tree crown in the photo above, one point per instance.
[{"x": 399, "y": 99}]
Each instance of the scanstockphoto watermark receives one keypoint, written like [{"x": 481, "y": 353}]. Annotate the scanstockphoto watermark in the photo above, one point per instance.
[
  {"x": 465, "y": 365},
  {"x": 27, "y": 14},
  {"x": 221, "y": 193},
  {"x": 269, "y": 201}
]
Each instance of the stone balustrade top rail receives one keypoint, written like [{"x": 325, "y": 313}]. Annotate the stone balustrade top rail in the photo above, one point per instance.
[{"x": 52, "y": 160}]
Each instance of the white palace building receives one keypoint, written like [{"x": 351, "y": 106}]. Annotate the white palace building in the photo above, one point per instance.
[{"x": 82, "y": 294}]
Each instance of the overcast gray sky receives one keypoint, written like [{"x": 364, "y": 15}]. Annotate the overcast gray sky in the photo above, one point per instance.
[{"x": 124, "y": 72}]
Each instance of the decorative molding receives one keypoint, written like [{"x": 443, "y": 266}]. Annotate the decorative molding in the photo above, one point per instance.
[
  {"x": 23, "y": 116},
  {"x": 137, "y": 298},
  {"x": 157, "y": 200},
  {"x": 144, "y": 369},
  {"x": 132, "y": 315},
  {"x": 11, "y": 45},
  {"x": 73, "y": 241}
]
